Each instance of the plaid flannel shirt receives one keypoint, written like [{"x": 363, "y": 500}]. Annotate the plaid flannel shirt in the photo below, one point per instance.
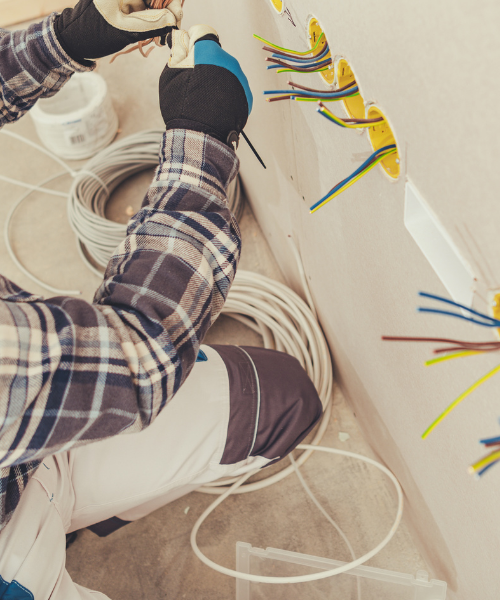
[{"x": 73, "y": 372}]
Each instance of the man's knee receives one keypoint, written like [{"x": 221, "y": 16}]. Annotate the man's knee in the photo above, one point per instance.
[{"x": 274, "y": 404}]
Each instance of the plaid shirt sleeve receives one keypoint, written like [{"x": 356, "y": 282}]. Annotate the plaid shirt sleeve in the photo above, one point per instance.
[
  {"x": 73, "y": 372},
  {"x": 33, "y": 65}
]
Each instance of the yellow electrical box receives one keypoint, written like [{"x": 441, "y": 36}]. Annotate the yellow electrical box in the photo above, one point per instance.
[
  {"x": 355, "y": 106},
  {"x": 381, "y": 135},
  {"x": 315, "y": 30},
  {"x": 278, "y": 5},
  {"x": 495, "y": 310}
]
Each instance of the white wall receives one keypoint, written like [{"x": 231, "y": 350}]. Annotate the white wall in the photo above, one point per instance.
[{"x": 432, "y": 67}]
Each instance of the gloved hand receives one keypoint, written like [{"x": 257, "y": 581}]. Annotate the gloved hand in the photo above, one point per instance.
[
  {"x": 97, "y": 28},
  {"x": 203, "y": 88}
]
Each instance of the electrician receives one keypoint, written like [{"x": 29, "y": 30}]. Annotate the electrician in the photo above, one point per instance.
[{"x": 74, "y": 375}]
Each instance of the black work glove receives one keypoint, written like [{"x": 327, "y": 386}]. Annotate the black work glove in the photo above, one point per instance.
[
  {"x": 203, "y": 88},
  {"x": 98, "y": 28}
]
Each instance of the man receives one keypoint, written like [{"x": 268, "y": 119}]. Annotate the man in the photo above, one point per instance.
[{"x": 74, "y": 375}]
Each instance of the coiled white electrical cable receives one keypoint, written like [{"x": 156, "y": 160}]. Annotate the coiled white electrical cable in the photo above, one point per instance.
[
  {"x": 91, "y": 189},
  {"x": 94, "y": 184}
]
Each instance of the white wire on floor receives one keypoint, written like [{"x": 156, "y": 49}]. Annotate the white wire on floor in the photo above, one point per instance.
[
  {"x": 10, "y": 249},
  {"x": 321, "y": 509},
  {"x": 92, "y": 188},
  {"x": 313, "y": 576}
]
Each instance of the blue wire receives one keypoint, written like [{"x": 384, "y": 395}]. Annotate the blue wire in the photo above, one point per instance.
[
  {"x": 471, "y": 310},
  {"x": 317, "y": 65},
  {"x": 492, "y": 440},
  {"x": 302, "y": 60},
  {"x": 458, "y": 316},
  {"x": 353, "y": 175},
  {"x": 330, "y": 119},
  {"x": 349, "y": 92},
  {"x": 483, "y": 471}
]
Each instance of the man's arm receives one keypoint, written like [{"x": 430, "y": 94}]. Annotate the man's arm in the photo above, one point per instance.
[
  {"x": 71, "y": 372},
  {"x": 36, "y": 62},
  {"x": 33, "y": 65}
]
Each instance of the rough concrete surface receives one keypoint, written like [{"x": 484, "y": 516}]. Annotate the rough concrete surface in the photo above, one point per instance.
[{"x": 152, "y": 558}]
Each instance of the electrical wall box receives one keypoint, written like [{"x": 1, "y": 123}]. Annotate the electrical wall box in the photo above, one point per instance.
[
  {"x": 437, "y": 246},
  {"x": 375, "y": 584},
  {"x": 314, "y": 31},
  {"x": 278, "y": 5}
]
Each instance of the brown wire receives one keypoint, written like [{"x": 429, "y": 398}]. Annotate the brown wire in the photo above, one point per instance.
[
  {"x": 154, "y": 4},
  {"x": 457, "y": 345},
  {"x": 390, "y": 338},
  {"x": 462, "y": 348},
  {"x": 308, "y": 89}
]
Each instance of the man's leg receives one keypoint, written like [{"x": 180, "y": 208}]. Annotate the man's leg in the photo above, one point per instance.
[
  {"x": 33, "y": 543},
  {"x": 241, "y": 409}
]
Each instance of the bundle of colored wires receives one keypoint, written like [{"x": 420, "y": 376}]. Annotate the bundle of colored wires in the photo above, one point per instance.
[
  {"x": 455, "y": 348},
  {"x": 480, "y": 467},
  {"x": 360, "y": 172},
  {"x": 347, "y": 123},
  {"x": 159, "y": 41},
  {"x": 301, "y": 93},
  {"x": 315, "y": 60}
]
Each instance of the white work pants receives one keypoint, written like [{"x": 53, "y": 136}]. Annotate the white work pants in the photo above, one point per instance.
[{"x": 126, "y": 477}]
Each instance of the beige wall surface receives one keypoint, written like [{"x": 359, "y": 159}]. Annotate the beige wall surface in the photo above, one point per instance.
[{"x": 432, "y": 67}]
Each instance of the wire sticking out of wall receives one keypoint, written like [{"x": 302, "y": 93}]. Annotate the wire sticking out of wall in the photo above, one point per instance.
[
  {"x": 347, "y": 123},
  {"x": 460, "y": 349},
  {"x": 303, "y": 94},
  {"x": 371, "y": 162},
  {"x": 315, "y": 60},
  {"x": 480, "y": 467}
]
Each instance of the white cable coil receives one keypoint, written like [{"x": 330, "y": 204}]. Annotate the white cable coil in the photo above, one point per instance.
[
  {"x": 89, "y": 194},
  {"x": 94, "y": 184}
]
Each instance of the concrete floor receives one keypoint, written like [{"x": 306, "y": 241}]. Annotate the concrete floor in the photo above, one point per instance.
[{"x": 152, "y": 558}]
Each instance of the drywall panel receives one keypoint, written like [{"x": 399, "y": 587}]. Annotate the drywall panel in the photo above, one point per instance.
[{"x": 430, "y": 67}]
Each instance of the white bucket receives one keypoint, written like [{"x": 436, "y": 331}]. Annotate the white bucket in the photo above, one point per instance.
[{"x": 79, "y": 120}]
